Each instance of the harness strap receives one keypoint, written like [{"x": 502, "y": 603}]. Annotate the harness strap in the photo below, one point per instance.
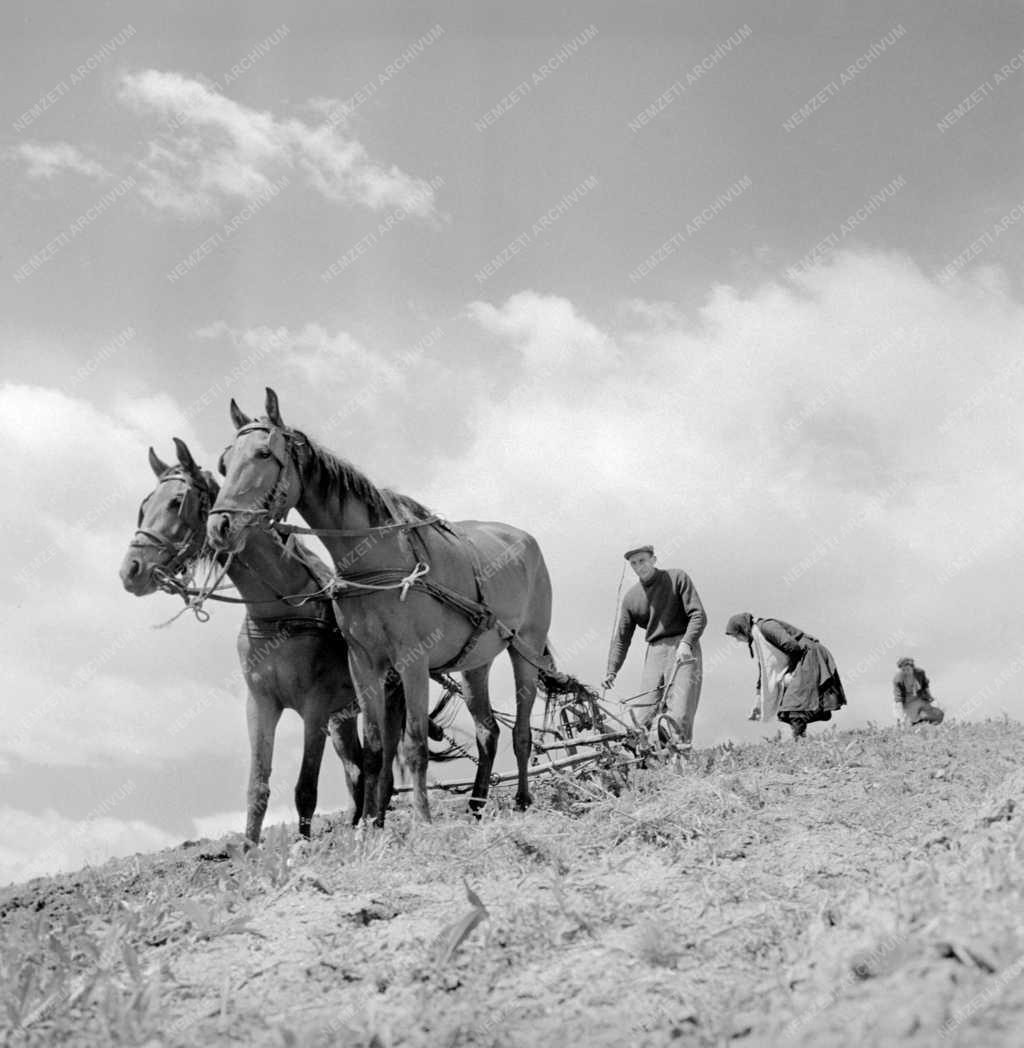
[
  {"x": 481, "y": 622},
  {"x": 186, "y": 591},
  {"x": 264, "y": 629},
  {"x": 353, "y": 533}
]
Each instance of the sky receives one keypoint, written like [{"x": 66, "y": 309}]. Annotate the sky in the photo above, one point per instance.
[{"x": 743, "y": 283}]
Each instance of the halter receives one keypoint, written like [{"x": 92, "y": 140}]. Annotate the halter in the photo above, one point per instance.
[{"x": 187, "y": 548}]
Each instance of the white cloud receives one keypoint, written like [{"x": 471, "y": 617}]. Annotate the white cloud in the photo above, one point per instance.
[
  {"x": 215, "y": 150},
  {"x": 338, "y": 361},
  {"x": 88, "y": 679},
  {"x": 743, "y": 440},
  {"x": 48, "y": 159},
  {"x": 36, "y": 845},
  {"x": 549, "y": 333},
  {"x": 829, "y": 398},
  {"x": 158, "y": 417},
  {"x": 221, "y": 823}
]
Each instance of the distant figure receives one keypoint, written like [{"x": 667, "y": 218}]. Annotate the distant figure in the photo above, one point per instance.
[
  {"x": 912, "y": 697},
  {"x": 797, "y": 679},
  {"x": 666, "y": 605}
]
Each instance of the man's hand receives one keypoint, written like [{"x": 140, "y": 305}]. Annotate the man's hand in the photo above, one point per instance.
[
  {"x": 608, "y": 681},
  {"x": 684, "y": 653}
]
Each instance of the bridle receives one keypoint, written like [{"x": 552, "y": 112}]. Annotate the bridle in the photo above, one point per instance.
[
  {"x": 280, "y": 444},
  {"x": 187, "y": 548}
]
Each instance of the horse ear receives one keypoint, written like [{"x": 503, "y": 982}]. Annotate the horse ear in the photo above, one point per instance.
[
  {"x": 238, "y": 417},
  {"x": 158, "y": 467},
  {"x": 188, "y": 463},
  {"x": 273, "y": 408}
]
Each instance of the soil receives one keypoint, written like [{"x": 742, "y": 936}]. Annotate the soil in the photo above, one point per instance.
[{"x": 856, "y": 888}]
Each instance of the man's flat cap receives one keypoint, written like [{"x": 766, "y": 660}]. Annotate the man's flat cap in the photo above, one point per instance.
[{"x": 639, "y": 549}]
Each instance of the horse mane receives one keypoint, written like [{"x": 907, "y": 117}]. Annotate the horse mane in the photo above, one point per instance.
[
  {"x": 210, "y": 483},
  {"x": 334, "y": 477}
]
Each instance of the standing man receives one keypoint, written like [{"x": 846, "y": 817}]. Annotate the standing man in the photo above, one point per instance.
[{"x": 665, "y": 603}]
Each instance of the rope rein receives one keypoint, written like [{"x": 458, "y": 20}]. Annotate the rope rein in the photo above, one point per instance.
[{"x": 195, "y": 597}]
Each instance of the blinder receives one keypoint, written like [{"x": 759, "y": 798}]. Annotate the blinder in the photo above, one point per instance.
[
  {"x": 195, "y": 502},
  {"x": 189, "y": 503},
  {"x": 277, "y": 441},
  {"x": 279, "y": 444}
]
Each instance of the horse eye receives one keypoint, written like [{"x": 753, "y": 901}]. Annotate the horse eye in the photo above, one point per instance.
[{"x": 263, "y": 453}]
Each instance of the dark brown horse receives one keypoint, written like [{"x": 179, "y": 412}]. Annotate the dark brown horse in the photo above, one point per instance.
[
  {"x": 413, "y": 593},
  {"x": 292, "y": 654}
]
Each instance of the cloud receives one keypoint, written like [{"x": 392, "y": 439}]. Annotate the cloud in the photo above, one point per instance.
[
  {"x": 45, "y": 160},
  {"x": 333, "y": 386},
  {"x": 36, "y": 845},
  {"x": 826, "y": 452},
  {"x": 338, "y": 361},
  {"x": 89, "y": 680},
  {"x": 549, "y": 334},
  {"x": 221, "y": 823},
  {"x": 784, "y": 446},
  {"x": 215, "y": 150}
]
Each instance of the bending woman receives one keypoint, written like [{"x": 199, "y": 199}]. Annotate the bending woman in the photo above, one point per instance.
[{"x": 797, "y": 679}]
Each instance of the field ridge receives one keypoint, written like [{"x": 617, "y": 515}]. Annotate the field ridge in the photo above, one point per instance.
[{"x": 861, "y": 887}]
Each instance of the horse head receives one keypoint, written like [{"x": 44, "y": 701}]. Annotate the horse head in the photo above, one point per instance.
[
  {"x": 262, "y": 479},
  {"x": 171, "y": 527}
]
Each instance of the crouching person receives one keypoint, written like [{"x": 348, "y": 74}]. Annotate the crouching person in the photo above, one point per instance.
[
  {"x": 912, "y": 697},
  {"x": 797, "y": 679}
]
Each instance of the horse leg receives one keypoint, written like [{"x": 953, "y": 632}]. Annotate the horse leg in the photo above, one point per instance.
[
  {"x": 345, "y": 739},
  {"x": 262, "y": 716},
  {"x": 373, "y": 765},
  {"x": 394, "y": 715},
  {"x": 416, "y": 684},
  {"x": 309, "y": 772},
  {"x": 478, "y": 703},
  {"x": 525, "y": 674},
  {"x": 369, "y": 684}
]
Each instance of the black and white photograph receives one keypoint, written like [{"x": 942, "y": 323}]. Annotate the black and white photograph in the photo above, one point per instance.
[{"x": 511, "y": 523}]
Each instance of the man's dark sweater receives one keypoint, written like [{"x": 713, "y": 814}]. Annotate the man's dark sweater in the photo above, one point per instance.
[{"x": 667, "y": 606}]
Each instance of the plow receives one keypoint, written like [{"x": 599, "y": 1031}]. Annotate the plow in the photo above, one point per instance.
[{"x": 579, "y": 739}]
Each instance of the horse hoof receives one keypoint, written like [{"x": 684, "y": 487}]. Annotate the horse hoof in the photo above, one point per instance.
[{"x": 523, "y": 801}]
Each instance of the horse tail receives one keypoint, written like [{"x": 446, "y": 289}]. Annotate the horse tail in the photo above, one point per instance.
[{"x": 551, "y": 682}]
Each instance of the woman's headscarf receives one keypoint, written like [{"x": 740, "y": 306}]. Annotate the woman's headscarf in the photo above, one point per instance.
[{"x": 742, "y": 626}]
